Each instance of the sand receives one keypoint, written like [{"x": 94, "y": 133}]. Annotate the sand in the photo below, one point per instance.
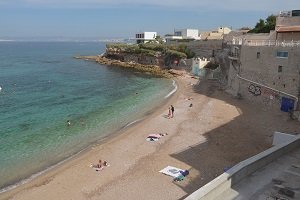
[{"x": 217, "y": 132}]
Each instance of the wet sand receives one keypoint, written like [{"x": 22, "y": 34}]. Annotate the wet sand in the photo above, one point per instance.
[{"x": 217, "y": 132}]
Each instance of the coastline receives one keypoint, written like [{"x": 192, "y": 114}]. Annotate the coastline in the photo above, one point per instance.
[
  {"x": 152, "y": 69},
  {"x": 200, "y": 138},
  {"x": 44, "y": 176}
]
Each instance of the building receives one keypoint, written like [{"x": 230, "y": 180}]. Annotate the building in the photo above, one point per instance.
[
  {"x": 145, "y": 37},
  {"x": 183, "y": 34},
  {"x": 215, "y": 35},
  {"x": 265, "y": 68},
  {"x": 198, "y": 65},
  {"x": 288, "y": 25}
]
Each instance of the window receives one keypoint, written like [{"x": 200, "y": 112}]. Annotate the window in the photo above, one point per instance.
[
  {"x": 258, "y": 55},
  {"x": 282, "y": 54},
  {"x": 279, "y": 69},
  {"x": 177, "y": 33},
  {"x": 295, "y": 13}
]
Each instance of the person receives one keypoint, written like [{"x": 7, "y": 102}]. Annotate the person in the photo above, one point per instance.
[
  {"x": 105, "y": 163},
  {"x": 68, "y": 122},
  {"x": 99, "y": 165},
  {"x": 172, "y": 111}
]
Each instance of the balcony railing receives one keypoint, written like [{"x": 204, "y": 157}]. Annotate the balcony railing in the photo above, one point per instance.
[
  {"x": 265, "y": 43},
  {"x": 285, "y": 13}
]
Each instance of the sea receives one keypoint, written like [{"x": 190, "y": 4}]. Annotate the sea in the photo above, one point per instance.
[{"x": 42, "y": 87}]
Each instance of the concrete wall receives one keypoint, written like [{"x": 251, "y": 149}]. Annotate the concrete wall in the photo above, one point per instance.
[
  {"x": 150, "y": 35},
  {"x": 216, "y": 188},
  {"x": 281, "y": 138},
  {"x": 188, "y": 33},
  {"x": 224, "y": 30},
  {"x": 287, "y": 21},
  {"x": 295, "y": 36},
  {"x": 261, "y": 64},
  {"x": 205, "y": 48}
]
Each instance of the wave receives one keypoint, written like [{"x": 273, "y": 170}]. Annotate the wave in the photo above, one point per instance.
[
  {"x": 133, "y": 122},
  {"x": 173, "y": 91}
]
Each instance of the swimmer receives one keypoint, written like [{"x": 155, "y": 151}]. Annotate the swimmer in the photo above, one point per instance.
[{"x": 68, "y": 122}]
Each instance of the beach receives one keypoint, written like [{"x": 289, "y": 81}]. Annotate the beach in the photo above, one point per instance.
[{"x": 215, "y": 132}]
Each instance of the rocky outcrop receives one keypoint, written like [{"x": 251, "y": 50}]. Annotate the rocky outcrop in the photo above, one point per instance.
[
  {"x": 156, "y": 59},
  {"x": 152, "y": 69},
  {"x": 117, "y": 54}
]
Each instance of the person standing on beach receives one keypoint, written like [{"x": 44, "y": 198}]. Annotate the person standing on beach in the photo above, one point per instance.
[{"x": 172, "y": 111}]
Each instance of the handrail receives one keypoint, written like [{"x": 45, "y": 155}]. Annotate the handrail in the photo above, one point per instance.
[
  {"x": 281, "y": 92},
  {"x": 264, "y": 42}
]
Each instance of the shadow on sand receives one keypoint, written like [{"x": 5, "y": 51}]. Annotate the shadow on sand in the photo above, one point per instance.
[{"x": 246, "y": 135}]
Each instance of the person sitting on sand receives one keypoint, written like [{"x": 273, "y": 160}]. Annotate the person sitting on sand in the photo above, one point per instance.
[
  {"x": 105, "y": 164},
  {"x": 99, "y": 164}
]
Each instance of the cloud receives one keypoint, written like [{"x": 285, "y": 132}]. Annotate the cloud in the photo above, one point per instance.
[{"x": 198, "y": 5}]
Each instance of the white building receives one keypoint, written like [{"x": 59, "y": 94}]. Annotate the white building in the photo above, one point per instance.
[
  {"x": 144, "y": 37},
  {"x": 184, "y": 34}
]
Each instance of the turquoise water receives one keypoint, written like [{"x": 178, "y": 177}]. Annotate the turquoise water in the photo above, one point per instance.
[{"x": 43, "y": 86}]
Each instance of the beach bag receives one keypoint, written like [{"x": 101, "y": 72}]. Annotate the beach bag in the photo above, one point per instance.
[{"x": 185, "y": 172}]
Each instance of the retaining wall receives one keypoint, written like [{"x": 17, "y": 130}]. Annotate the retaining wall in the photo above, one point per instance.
[{"x": 225, "y": 181}]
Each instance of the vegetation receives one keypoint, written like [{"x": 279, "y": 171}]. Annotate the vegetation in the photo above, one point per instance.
[
  {"x": 265, "y": 26},
  {"x": 154, "y": 49}
]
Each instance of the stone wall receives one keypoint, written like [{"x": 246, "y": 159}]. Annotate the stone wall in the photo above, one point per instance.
[
  {"x": 205, "y": 48},
  {"x": 262, "y": 65}
]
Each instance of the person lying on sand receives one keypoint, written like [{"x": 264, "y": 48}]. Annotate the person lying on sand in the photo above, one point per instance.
[{"x": 100, "y": 165}]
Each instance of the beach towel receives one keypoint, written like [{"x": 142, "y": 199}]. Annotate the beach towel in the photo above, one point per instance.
[
  {"x": 172, "y": 171},
  {"x": 98, "y": 169},
  {"x": 154, "y": 136},
  {"x": 151, "y": 139}
]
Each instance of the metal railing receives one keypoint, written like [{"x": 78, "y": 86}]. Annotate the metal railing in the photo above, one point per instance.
[
  {"x": 285, "y": 13},
  {"x": 283, "y": 43}
]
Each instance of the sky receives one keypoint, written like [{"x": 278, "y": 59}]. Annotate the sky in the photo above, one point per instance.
[{"x": 123, "y": 18}]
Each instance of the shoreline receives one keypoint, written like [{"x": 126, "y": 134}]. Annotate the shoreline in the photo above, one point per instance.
[
  {"x": 200, "y": 138},
  {"x": 9, "y": 191},
  {"x": 92, "y": 145}
]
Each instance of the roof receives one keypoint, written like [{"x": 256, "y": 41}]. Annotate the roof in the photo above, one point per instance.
[{"x": 288, "y": 29}]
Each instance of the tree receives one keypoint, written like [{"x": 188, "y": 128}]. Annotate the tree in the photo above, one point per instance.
[
  {"x": 263, "y": 26},
  {"x": 271, "y": 22}
]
